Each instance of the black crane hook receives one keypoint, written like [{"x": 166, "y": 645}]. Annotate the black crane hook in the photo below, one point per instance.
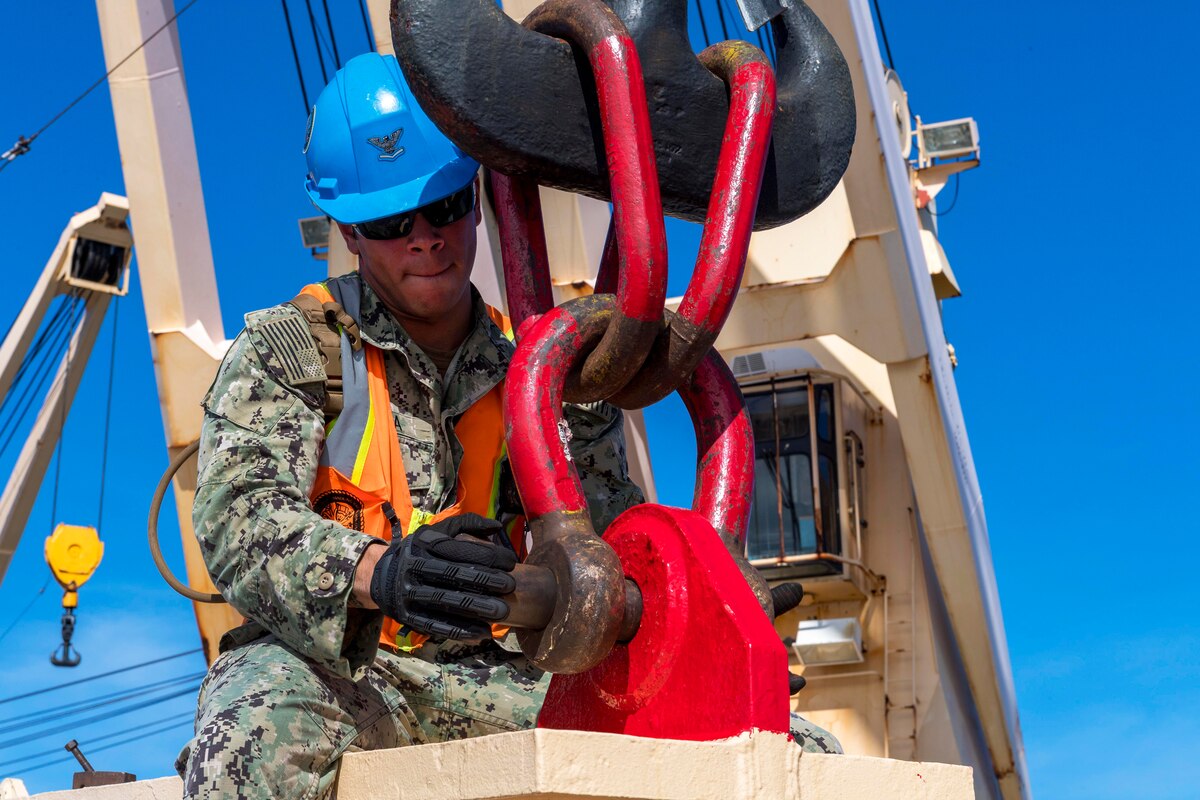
[
  {"x": 522, "y": 103},
  {"x": 65, "y": 655}
]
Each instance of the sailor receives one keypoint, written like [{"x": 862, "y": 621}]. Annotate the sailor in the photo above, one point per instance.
[{"x": 351, "y": 434}]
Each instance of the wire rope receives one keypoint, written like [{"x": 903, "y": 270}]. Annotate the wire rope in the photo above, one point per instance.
[
  {"x": 27, "y": 395},
  {"x": 25, "y": 610},
  {"x": 721, "y": 18},
  {"x": 312, "y": 20},
  {"x": 703, "y": 24},
  {"x": 37, "y": 345},
  {"x": 35, "y": 350},
  {"x": 25, "y": 401},
  {"x": 23, "y": 142},
  {"x": 28, "y": 736},
  {"x": 953, "y": 200},
  {"x": 295, "y": 55},
  {"x": 734, "y": 15},
  {"x": 337, "y": 59},
  {"x": 102, "y": 700},
  {"x": 118, "y": 671},
  {"x": 362, "y": 6},
  {"x": 112, "y": 369},
  {"x": 883, "y": 33},
  {"x": 169, "y": 721},
  {"x": 178, "y": 719},
  {"x": 63, "y": 404},
  {"x": 323, "y": 42}
]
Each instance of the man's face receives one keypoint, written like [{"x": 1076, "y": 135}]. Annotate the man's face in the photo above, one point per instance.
[{"x": 423, "y": 276}]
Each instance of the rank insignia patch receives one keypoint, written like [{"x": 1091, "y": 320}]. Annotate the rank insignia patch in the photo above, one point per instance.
[{"x": 388, "y": 145}]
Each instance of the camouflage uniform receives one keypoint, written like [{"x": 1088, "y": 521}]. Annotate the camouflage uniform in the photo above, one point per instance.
[{"x": 305, "y": 680}]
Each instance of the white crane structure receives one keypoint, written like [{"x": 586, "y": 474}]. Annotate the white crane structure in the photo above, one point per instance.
[
  {"x": 89, "y": 266},
  {"x": 838, "y": 315}
]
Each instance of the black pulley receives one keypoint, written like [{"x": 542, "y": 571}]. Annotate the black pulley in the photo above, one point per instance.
[{"x": 523, "y": 103}]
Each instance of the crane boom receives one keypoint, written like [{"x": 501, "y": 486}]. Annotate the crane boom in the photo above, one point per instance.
[{"x": 97, "y": 236}]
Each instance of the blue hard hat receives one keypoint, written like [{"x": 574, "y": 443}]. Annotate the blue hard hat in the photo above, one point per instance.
[{"x": 372, "y": 151}]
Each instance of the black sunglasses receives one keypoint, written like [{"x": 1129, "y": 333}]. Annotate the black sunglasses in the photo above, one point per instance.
[{"x": 440, "y": 212}]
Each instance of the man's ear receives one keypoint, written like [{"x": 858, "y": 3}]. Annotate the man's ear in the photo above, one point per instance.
[
  {"x": 348, "y": 234},
  {"x": 478, "y": 202}
]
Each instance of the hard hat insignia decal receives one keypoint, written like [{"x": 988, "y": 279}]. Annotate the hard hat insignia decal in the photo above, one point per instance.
[{"x": 388, "y": 145}]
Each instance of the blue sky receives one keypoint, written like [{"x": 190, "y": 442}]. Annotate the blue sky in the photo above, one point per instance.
[{"x": 1076, "y": 372}]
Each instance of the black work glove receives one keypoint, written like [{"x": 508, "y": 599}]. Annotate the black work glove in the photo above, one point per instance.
[
  {"x": 444, "y": 586},
  {"x": 785, "y": 597}
]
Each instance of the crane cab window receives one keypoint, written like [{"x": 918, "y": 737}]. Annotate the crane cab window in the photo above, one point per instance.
[{"x": 794, "y": 514}]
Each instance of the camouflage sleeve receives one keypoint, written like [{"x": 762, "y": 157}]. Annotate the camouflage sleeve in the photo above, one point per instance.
[
  {"x": 270, "y": 555},
  {"x": 598, "y": 447}
]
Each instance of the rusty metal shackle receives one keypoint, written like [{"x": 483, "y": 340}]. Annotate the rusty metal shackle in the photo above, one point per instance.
[
  {"x": 590, "y": 587},
  {"x": 724, "y": 462},
  {"x": 526, "y": 263},
  {"x": 679, "y": 346},
  {"x": 637, "y": 208},
  {"x": 522, "y": 104},
  {"x": 687, "y": 337}
]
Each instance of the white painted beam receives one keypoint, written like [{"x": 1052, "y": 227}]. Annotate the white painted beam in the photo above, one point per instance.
[{"x": 162, "y": 177}]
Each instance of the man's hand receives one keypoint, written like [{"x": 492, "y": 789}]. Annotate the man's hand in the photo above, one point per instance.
[{"x": 445, "y": 586}]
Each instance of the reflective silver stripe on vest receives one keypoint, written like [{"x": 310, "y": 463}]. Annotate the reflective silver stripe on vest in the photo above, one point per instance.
[{"x": 344, "y": 439}]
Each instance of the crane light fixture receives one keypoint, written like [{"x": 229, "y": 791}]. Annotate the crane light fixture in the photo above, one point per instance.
[
  {"x": 951, "y": 139},
  {"x": 827, "y": 642},
  {"x": 314, "y": 231}
]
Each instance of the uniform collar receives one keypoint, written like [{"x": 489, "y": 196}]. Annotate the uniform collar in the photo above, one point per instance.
[{"x": 480, "y": 364}]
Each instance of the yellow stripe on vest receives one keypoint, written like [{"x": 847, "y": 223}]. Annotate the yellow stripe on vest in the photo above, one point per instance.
[{"x": 364, "y": 447}]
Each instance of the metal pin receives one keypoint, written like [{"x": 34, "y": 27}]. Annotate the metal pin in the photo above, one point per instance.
[{"x": 72, "y": 747}]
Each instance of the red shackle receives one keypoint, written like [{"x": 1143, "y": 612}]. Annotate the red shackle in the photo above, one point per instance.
[
  {"x": 637, "y": 206},
  {"x": 590, "y": 605}
]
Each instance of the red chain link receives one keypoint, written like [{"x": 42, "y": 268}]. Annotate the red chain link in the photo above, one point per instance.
[{"x": 618, "y": 343}]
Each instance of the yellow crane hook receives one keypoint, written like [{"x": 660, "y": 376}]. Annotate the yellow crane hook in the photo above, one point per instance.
[{"x": 73, "y": 552}]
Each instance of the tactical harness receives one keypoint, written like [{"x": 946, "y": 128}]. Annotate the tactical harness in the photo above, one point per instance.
[{"x": 327, "y": 322}]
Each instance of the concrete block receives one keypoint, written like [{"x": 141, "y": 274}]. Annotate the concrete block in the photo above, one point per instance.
[
  {"x": 170, "y": 788},
  {"x": 551, "y": 764},
  {"x": 557, "y": 765}
]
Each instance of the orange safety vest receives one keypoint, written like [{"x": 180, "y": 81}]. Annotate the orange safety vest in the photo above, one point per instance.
[{"x": 361, "y": 465}]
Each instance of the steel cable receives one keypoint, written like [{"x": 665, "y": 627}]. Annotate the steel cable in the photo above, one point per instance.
[
  {"x": 287, "y": 18},
  {"x": 703, "y": 24},
  {"x": 312, "y": 20},
  {"x": 163, "y": 726},
  {"x": 953, "y": 200},
  {"x": 337, "y": 59},
  {"x": 129, "y": 668},
  {"x": 23, "y": 143},
  {"x": 25, "y": 400},
  {"x": 38, "y": 344},
  {"x": 721, "y": 18},
  {"x": 79, "y": 723},
  {"x": 883, "y": 34},
  {"x": 25, "y": 610},
  {"x": 112, "y": 364},
  {"x": 102, "y": 700},
  {"x": 362, "y": 6},
  {"x": 63, "y": 404},
  {"x": 49, "y": 329}
]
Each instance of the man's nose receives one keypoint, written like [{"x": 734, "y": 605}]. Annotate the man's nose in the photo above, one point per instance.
[{"x": 424, "y": 237}]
